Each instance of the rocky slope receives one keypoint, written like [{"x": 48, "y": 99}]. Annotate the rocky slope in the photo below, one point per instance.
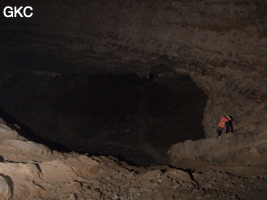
[
  {"x": 32, "y": 171},
  {"x": 247, "y": 149}
]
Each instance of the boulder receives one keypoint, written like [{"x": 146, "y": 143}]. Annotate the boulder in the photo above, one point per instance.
[{"x": 5, "y": 189}]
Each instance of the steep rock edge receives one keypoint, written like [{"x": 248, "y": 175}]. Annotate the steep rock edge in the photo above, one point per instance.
[
  {"x": 32, "y": 171},
  {"x": 220, "y": 44}
]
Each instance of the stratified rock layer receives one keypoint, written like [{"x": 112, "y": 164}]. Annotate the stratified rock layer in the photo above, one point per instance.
[{"x": 222, "y": 45}]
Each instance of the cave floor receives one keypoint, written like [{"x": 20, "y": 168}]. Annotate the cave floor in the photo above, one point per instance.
[{"x": 33, "y": 171}]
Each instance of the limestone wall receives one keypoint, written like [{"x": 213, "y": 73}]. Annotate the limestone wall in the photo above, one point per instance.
[{"x": 222, "y": 45}]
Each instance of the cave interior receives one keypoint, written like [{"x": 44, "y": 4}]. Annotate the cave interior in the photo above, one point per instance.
[{"x": 102, "y": 113}]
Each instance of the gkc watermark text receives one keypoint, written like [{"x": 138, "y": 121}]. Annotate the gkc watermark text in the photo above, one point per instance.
[{"x": 18, "y": 11}]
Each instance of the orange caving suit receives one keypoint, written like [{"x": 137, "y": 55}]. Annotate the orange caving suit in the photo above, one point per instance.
[
  {"x": 221, "y": 125},
  {"x": 222, "y": 122}
]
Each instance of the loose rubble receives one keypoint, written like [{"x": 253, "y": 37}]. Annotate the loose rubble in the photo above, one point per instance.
[{"x": 32, "y": 171}]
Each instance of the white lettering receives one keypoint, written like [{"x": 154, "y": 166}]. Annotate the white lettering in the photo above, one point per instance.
[
  {"x": 24, "y": 11},
  {"x": 17, "y": 11},
  {"x": 21, "y": 11},
  {"x": 8, "y": 11}
]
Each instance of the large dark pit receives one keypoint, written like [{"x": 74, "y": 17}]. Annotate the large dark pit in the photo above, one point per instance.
[{"x": 137, "y": 119}]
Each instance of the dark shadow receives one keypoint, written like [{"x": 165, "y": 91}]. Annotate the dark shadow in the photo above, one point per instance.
[
  {"x": 188, "y": 171},
  {"x": 114, "y": 113},
  {"x": 9, "y": 182},
  {"x": 28, "y": 133},
  {"x": 151, "y": 76},
  {"x": 38, "y": 167},
  {"x": 119, "y": 157},
  {"x": 129, "y": 162},
  {"x": 231, "y": 123}
]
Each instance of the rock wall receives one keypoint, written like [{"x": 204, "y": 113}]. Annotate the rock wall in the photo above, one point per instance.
[{"x": 222, "y": 45}]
